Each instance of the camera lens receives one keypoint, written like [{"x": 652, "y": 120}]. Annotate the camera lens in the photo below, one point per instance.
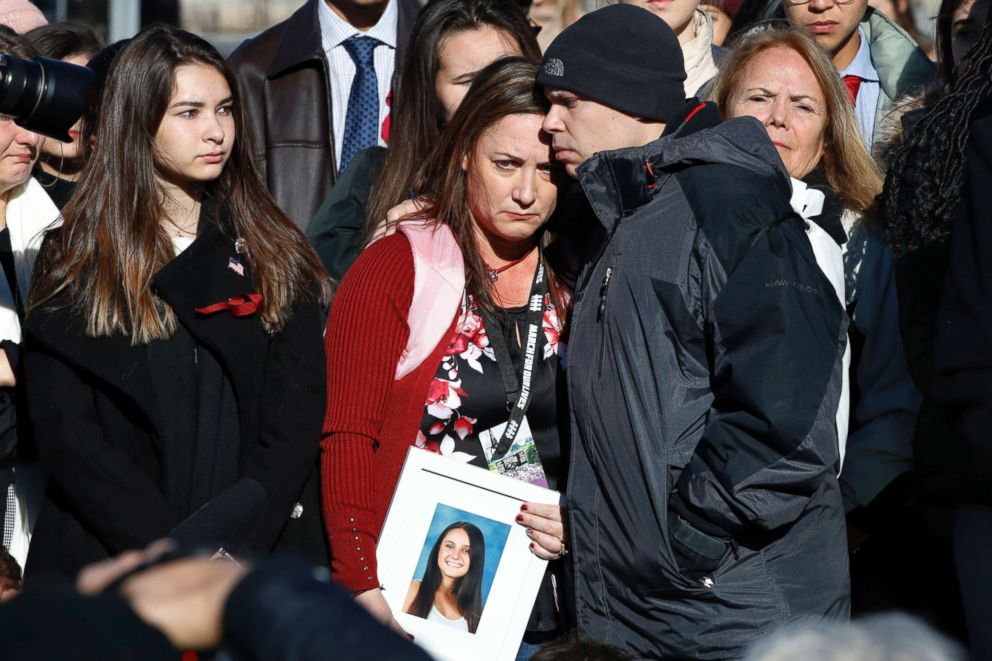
[
  {"x": 43, "y": 95},
  {"x": 20, "y": 86}
]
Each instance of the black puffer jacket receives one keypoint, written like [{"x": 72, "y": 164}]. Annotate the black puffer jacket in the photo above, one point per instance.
[{"x": 705, "y": 375}]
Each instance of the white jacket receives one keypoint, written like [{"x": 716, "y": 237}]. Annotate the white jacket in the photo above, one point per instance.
[
  {"x": 808, "y": 203},
  {"x": 30, "y": 212}
]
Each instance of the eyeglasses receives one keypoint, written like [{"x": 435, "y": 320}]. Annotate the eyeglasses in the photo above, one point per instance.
[{"x": 797, "y": 3}]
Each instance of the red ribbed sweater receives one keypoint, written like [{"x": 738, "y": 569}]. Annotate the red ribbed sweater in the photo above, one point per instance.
[{"x": 371, "y": 418}]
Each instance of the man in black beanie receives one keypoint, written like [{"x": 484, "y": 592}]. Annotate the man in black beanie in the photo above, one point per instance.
[{"x": 705, "y": 362}]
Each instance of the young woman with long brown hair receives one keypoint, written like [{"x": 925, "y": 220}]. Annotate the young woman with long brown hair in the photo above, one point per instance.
[
  {"x": 173, "y": 360},
  {"x": 438, "y": 365}
]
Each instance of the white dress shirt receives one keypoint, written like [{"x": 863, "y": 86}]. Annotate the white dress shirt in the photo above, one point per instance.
[{"x": 334, "y": 31}]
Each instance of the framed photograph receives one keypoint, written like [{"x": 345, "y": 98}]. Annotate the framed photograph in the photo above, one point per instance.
[{"x": 454, "y": 566}]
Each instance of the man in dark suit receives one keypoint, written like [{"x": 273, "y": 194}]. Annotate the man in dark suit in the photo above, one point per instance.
[{"x": 315, "y": 88}]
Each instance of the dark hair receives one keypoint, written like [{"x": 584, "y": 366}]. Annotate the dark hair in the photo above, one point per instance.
[
  {"x": 111, "y": 244},
  {"x": 10, "y": 571},
  {"x": 923, "y": 186},
  {"x": 468, "y": 588},
  {"x": 15, "y": 44},
  {"x": 505, "y": 87},
  {"x": 417, "y": 114},
  {"x": 943, "y": 39},
  {"x": 63, "y": 40},
  {"x": 100, "y": 64},
  {"x": 576, "y": 647}
]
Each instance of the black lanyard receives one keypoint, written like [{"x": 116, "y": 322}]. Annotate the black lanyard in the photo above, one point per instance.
[{"x": 518, "y": 389}]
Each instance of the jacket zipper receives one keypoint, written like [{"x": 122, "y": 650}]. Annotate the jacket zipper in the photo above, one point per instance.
[
  {"x": 600, "y": 313},
  {"x": 603, "y": 289}
]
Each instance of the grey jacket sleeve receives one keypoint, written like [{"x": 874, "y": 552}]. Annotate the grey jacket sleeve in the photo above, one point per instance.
[{"x": 777, "y": 334}]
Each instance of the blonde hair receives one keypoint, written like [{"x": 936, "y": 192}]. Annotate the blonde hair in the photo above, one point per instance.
[{"x": 849, "y": 167}]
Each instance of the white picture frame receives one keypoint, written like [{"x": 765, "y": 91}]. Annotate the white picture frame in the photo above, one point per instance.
[{"x": 432, "y": 490}]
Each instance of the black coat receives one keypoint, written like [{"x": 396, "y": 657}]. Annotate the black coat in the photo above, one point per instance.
[
  {"x": 336, "y": 228},
  {"x": 91, "y": 402},
  {"x": 963, "y": 339}
]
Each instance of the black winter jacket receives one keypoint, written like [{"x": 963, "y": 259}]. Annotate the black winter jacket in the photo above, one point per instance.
[{"x": 704, "y": 379}]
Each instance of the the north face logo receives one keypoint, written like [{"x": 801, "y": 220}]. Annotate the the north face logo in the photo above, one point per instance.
[{"x": 554, "y": 67}]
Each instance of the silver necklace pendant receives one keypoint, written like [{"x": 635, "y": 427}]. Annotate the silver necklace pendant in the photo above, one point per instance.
[{"x": 494, "y": 275}]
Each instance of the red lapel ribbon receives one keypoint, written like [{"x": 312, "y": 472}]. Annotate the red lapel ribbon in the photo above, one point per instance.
[{"x": 242, "y": 305}]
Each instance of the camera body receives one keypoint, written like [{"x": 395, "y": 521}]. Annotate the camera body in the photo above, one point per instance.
[{"x": 42, "y": 94}]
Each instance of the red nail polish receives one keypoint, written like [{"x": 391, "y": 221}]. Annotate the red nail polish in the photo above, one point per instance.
[
  {"x": 523, "y": 507},
  {"x": 520, "y": 518},
  {"x": 533, "y": 545}
]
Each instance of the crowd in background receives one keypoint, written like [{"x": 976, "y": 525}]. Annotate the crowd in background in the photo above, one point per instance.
[{"x": 726, "y": 266}]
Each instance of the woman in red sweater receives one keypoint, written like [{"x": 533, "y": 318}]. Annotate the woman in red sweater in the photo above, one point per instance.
[{"x": 493, "y": 183}]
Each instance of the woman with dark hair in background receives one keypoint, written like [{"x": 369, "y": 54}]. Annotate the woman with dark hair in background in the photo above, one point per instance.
[
  {"x": 451, "y": 41},
  {"x": 426, "y": 365},
  {"x": 173, "y": 363},
  {"x": 938, "y": 180},
  {"x": 450, "y": 591},
  {"x": 59, "y": 167}
]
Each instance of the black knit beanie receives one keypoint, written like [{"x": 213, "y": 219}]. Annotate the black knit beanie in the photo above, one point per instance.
[{"x": 622, "y": 56}]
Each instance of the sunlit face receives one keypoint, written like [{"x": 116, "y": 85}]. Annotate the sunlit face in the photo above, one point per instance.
[
  {"x": 461, "y": 56},
  {"x": 195, "y": 137},
  {"x": 453, "y": 557},
  {"x": 779, "y": 89},
  {"x": 580, "y": 127},
  {"x": 18, "y": 152},
  {"x": 512, "y": 185},
  {"x": 545, "y": 10},
  {"x": 677, "y": 13},
  {"x": 833, "y": 25},
  {"x": 967, "y": 24},
  {"x": 67, "y": 150}
]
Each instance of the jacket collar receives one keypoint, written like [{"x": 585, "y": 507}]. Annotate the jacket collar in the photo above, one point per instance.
[
  {"x": 300, "y": 41},
  {"x": 619, "y": 182},
  {"x": 900, "y": 63},
  {"x": 203, "y": 275}
]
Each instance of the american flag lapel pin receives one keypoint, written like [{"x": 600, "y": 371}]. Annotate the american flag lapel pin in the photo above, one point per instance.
[{"x": 236, "y": 266}]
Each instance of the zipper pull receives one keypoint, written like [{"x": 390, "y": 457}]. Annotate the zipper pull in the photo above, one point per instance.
[{"x": 602, "y": 292}]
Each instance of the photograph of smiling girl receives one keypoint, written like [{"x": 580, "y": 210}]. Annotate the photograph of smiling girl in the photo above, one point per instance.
[{"x": 457, "y": 564}]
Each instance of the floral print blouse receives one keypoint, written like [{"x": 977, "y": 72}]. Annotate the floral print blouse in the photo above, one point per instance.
[{"x": 467, "y": 395}]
